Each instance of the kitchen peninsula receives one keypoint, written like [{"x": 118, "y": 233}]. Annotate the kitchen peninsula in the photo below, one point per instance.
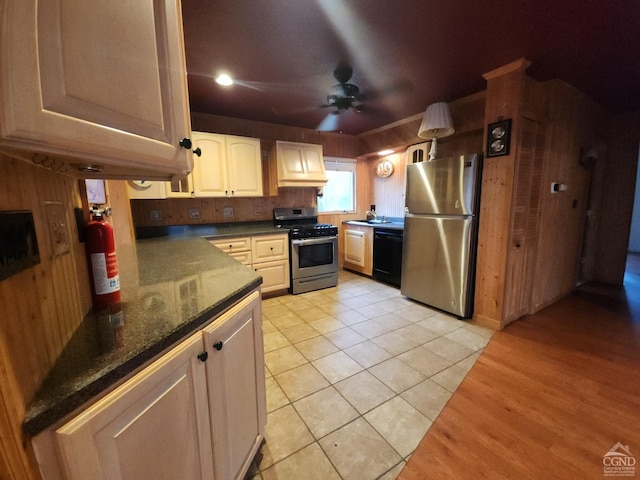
[{"x": 183, "y": 300}]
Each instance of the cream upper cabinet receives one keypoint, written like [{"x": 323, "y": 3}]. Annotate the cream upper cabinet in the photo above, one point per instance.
[
  {"x": 300, "y": 165},
  {"x": 95, "y": 83},
  {"x": 230, "y": 166}
]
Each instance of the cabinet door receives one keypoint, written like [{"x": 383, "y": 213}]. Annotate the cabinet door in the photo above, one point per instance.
[
  {"x": 236, "y": 386},
  {"x": 354, "y": 247},
  {"x": 314, "y": 162},
  {"x": 101, "y": 82},
  {"x": 244, "y": 165},
  {"x": 146, "y": 189},
  {"x": 275, "y": 275},
  {"x": 156, "y": 425},
  {"x": 300, "y": 163},
  {"x": 210, "y": 176}
]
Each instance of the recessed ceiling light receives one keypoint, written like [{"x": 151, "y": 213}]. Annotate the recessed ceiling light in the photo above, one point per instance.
[
  {"x": 385, "y": 152},
  {"x": 224, "y": 79}
]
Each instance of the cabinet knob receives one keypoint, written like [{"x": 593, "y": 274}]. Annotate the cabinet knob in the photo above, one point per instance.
[
  {"x": 203, "y": 356},
  {"x": 218, "y": 345},
  {"x": 187, "y": 143}
]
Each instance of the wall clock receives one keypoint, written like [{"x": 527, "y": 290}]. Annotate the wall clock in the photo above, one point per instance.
[
  {"x": 140, "y": 184},
  {"x": 384, "y": 168}
]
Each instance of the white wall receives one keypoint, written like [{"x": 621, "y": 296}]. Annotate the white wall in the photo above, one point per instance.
[{"x": 634, "y": 237}]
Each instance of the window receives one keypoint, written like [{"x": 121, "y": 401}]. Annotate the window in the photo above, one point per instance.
[{"x": 339, "y": 194}]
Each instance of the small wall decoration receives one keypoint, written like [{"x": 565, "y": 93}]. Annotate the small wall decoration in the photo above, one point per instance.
[
  {"x": 498, "y": 138},
  {"x": 95, "y": 192},
  {"x": 384, "y": 168}
]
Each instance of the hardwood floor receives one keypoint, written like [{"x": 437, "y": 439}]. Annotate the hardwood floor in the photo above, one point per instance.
[{"x": 548, "y": 398}]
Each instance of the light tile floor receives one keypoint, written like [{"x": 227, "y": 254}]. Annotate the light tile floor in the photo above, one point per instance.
[{"x": 356, "y": 374}]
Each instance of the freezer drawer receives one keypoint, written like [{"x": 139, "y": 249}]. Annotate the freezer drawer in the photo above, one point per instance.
[{"x": 437, "y": 260}]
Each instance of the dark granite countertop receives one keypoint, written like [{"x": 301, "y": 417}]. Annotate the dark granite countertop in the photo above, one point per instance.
[
  {"x": 210, "y": 230},
  {"x": 394, "y": 223},
  {"x": 170, "y": 287}
]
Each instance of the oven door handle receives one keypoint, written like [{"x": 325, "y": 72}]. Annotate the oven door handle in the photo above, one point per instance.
[{"x": 312, "y": 241}]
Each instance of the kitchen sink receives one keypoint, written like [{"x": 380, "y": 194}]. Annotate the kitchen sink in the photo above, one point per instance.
[{"x": 374, "y": 221}]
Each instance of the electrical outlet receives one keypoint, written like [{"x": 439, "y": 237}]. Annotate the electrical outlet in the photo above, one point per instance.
[
  {"x": 258, "y": 211},
  {"x": 155, "y": 215},
  {"x": 228, "y": 212},
  {"x": 194, "y": 213}
]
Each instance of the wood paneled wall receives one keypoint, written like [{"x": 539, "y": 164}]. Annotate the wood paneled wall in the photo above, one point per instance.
[
  {"x": 41, "y": 306},
  {"x": 175, "y": 211},
  {"x": 334, "y": 144},
  {"x": 573, "y": 124}
]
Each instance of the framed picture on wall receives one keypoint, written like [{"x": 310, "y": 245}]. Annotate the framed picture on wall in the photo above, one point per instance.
[
  {"x": 498, "y": 138},
  {"x": 95, "y": 192}
]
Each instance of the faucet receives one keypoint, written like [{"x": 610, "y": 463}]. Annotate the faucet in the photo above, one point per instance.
[{"x": 371, "y": 213}]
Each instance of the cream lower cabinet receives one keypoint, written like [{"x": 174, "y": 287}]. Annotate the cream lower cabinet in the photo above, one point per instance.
[
  {"x": 266, "y": 254},
  {"x": 358, "y": 248},
  {"x": 236, "y": 388},
  {"x": 270, "y": 258},
  {"x": 196, "y": 413}
]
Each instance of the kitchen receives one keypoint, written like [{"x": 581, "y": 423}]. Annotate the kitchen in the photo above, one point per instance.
[{"x": 48, "y": 302}]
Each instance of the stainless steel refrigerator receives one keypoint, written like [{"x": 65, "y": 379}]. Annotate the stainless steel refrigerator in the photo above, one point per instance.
[{"x": 440, "y": 232}]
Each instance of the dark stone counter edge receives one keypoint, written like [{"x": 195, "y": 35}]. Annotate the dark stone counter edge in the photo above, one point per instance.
[{"x": 47, "y": 417}]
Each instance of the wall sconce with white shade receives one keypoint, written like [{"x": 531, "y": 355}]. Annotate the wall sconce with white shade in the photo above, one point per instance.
[{"x": 436, "y": 123}]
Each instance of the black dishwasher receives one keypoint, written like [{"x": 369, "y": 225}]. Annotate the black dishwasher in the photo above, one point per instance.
[{"x": 387, "y": 255}]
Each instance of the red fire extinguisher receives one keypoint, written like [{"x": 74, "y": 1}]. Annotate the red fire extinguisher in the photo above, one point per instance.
[{"x": 103, "y": 264}]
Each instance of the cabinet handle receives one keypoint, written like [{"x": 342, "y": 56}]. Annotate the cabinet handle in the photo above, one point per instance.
[
  {"x": 218, "y": 345},
  {"x": 187, "y": 143},
  {"x": 203, "y": 356}
]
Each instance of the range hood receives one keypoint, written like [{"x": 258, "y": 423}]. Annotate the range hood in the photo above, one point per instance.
[{"x": 300, "y": 165}]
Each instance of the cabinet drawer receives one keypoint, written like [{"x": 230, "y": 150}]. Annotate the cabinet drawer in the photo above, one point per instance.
[
  {"x": 242, "y": 257},
  {"x": 233, "y": 244},
  {"x": 270, "y": 247}
]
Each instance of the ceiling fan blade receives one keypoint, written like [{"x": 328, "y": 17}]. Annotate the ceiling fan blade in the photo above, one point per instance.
[{"x": 329, "y": 123}]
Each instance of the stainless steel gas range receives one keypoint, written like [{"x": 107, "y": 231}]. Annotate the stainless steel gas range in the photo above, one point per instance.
[{"x": 313, "y": 249}]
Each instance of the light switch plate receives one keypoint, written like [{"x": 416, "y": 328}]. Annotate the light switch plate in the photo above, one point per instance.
[
  {"x": 155, "y": 215},
  {"x": 228, "y": 211}
]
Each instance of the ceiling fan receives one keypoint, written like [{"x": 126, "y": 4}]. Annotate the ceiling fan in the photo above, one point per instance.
[{"x": 344, "y": 96}]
